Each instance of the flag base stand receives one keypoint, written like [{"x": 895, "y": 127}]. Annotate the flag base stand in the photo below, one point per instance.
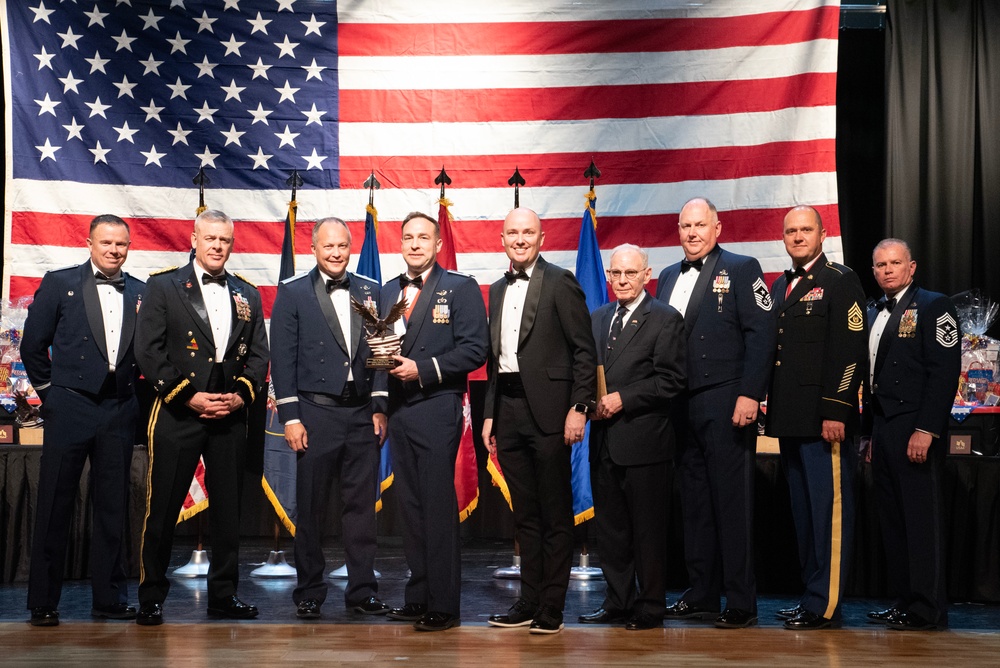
[
  {"x": 512, "y": 572},
  {"x": 585, "y": 571},
  {"x": 197, "y": 567},
  {"x": 275, "y": 567},
  {"x": 341, "y": 573}
]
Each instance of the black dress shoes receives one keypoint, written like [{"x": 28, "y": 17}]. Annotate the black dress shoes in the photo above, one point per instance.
[
  {"x": 44, "y": 616},
  {"x": 883, "y": 616},
  {"x": 232, "y": 608},
  {"x": 789, "y": 613},
  {"x": 733, "y": 618},
  {"x": 547, "y": 621},
  {"x": 150, "y": 614},
  {"x": 308, "y": 609},
  {"x": 603, "y": 616},
  {"x": 808, "y": 621},
  {"x": 410, "y": 612},
  {"x": 681, "y": 610},
  {"x": 116, "y": 611},
  {"x": 371, "y": 606},
  {"x": 908, "y": 621},
  {"x": 643, "y": 621},
  {"x": 519, "y": 614},
  {"x": 436, "y": 621}
]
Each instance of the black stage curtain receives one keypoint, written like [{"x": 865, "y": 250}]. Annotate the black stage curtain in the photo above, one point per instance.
[{"x": 943, "y": 139}]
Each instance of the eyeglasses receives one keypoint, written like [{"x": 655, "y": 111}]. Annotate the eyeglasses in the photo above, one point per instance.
[{"x": 616, "y": 274}]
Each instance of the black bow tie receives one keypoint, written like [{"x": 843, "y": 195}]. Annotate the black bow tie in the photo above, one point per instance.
[
  {"x": 886, "y": 304},
  {"x": 792, "y": 274},
  {"x": 692, "y": 264},
  {"x": 404, "y": 281},
  {"x": 519, "y": 275},
  {"x": 337, "y": 284},
  {"x": 117, "y": 283},
  {"x": 208, "y": 278}
]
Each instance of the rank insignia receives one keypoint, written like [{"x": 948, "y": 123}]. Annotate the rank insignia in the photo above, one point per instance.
[
  {"x": 813, "y": 295},
  {"x": 855, "y": 319},
  {"x": 946, "y": 331},
  {"x": 761, "y": 295},
  {"x": 442, "y": 293},
  {"x": 193, "y": 345},
  {"x": 441, "y": 314},
  {"x": 241, "y": 349},
  {"x": 721, "y": 282},
  {"x": 242, "y": 307},
  {"x": 908, "y": 324}
]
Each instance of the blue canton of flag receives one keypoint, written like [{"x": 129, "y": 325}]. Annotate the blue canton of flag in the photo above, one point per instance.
[{"x": 147, "y": 96}]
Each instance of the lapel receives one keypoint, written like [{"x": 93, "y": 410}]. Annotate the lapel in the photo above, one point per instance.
[
  {"x": 497, "y": 292},
  {"x": 805, "y": 284},
  {"x": 531, "y": 300},
  {"x": 605, "y": 328},
  {"x": 92, "y": 305},
  {"x": 700, "y": 288},
  {"x": 419, "y": 313},
  {"x": 326, "y": 306},
  {"x": 236, "y": 323},
  {"x": 891, "y": 331},
  {"x": 630, "y": 328},
  {"x": 130, "y": 306},
  {"x": 359, "y": 292},
  {"x": 187, "y": 285}
]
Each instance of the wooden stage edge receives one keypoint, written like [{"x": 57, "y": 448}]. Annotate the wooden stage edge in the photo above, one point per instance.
[{"x": 257, "y": 644}]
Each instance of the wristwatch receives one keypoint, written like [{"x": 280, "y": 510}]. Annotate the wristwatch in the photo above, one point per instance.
[{"x": 580, "y": 408}]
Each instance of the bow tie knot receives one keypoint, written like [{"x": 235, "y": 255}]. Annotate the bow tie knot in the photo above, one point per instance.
[
  {"x": 337, "y": 284},
  {"x": 692, "y": 264},
  {"x": 792, "y": 274},
  {"x": 519, "y": 275},
  {"x": 405, "y": 280},
  {"x": 218, "y": 280},
  {"x": 886, "y": 304},
  {"x": 117, "y": 283}
]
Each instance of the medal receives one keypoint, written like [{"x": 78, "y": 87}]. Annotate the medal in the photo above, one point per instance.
[{"x": 908, "y": 324}]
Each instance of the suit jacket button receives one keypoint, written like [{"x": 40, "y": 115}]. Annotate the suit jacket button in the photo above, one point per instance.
[
  {"x": 190, "y": 333},
  {"x": 778, "y": 363},
  {"x": 706, "y": 375},
  {"x": 192, "y": 354},
  {"x": 209, "y": 359},
  {"x": 347, "y": 364},
  {"x": 192, "y": 374},
  {"x": 82, "y": 357},
  {"x": 704, "y": 356},
  {"x": 781, "y": 331},
  {"x": 779, "y": 346},
  {"x": 86, "y": 339},
  {"x": 320, "y": 343},
  {"x": 702, "y": 337}
]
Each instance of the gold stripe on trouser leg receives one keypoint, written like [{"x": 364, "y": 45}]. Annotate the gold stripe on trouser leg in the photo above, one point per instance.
[
  {"x": 836, "y": 533},
  {"x": 151, "y": 425}
]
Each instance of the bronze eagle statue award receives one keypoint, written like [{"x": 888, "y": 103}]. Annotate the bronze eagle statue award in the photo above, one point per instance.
[{"x": 383, "y": 343}]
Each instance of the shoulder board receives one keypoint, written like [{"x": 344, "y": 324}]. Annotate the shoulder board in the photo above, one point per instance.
[
  {"x": 163, "y": 271},
  {"x": 72, "y": 266},
  {"x": 250, "y": 283},
  {"x": 839, "y": 268},
  {"x": 459, "y": 273},
  {"x": 291, "y": 279},
  {"x": 367, "y": 278}
]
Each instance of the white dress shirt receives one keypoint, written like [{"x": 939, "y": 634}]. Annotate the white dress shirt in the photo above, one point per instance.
[
  {"x": 510, "y": 321},
  {"x": 878, "y": 327},
  {"x": 341, "y": 300},
  {"x": 220, "y": 311},
  {"x": 112, "y": 305},
  {"x": 681, "y": 294}
]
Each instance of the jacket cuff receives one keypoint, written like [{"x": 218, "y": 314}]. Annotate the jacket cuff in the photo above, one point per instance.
[
  {"x": 180, "y": 393},
  {"x": 245, "y": 388},
  {"x": 288, "y": 409}
]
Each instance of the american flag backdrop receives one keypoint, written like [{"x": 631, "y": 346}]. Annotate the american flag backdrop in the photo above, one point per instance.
[{"x": 114, "y": 105}]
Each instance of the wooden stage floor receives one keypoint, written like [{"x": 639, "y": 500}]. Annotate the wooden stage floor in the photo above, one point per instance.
[{"x": 190, "y": 639}]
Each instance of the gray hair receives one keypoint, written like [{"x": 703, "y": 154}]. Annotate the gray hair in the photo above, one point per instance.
[
  {"x": 885, "y": 243},
  {"x": 631, "y": 247},
  {"x": 334, "y": 221}
]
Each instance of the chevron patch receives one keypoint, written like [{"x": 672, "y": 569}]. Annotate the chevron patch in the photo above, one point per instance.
[
  {"x": 761, "y": 295},
  {"x": 855, "y": 318},
  {"x": 946, "y": 330}
]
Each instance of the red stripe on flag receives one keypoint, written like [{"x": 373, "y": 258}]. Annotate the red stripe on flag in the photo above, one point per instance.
[
  {"x": 588, "y": 102},
  {"x": 610, "y": 36},
  {"x": 564, "y": 169}
]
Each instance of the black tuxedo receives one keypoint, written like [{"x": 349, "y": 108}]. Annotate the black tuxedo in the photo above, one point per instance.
[
  {"x": 631, "y": 452},
  {"x": 730, "y": 335},
  {"x": 557, "y": 361},
  {"x": 916, "y": 371},
  {"x": 309, "y": 369},
  {"x": 89, "y": 413},
  {"x": 176, "y": 351},
  {"x": 446, "y": 337},
  {"x": 820, "y": 362}
]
